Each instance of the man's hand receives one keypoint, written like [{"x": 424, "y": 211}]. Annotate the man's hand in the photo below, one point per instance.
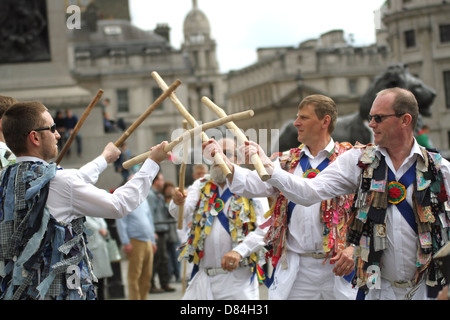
[
  {"x": 178, "y": 197},
  {"x": 158, "y": 154},
  {"x": 111, "y": 153},
  {"x": 127, "y": 248},
  {"x": 344, "y": 262},
  {"x": 230, "y": 261},
  {"x": 250, "y": 148}
]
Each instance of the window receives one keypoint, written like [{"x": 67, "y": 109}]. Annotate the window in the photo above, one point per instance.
[
  {"x": 156, "y": 92},
  {"x": 447, "y": 88},
  {"x": 161, "y": 136},
  {"x": 444, "y": 33},
  {"x": 118, "y": 56},
  {"x": 122, "y": 100},
  {"x": 410, "y": 39},
  {"x": 83, "y": 58},
  {"x": 352, "y": 86}
]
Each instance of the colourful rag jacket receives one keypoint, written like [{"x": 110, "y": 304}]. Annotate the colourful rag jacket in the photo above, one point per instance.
[
  {"x": 241, "y": 220},
  {"x": 334, "y": 212},
  {"x": 431, "y": 214},
  {"x": 39, "y": 255}
]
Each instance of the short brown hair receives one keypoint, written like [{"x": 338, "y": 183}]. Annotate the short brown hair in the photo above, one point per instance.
[
  {"x": 17, "y": 122},
  {"x": 323, "y": 106},
  {"x": 5, "y": 103},
  {"x": 404, "y": 102}
]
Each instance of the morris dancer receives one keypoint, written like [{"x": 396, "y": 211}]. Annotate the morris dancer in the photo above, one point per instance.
[
  {"x": 306, "y": 243},
  {"x": 220, "y": 220},
  {"x": 43, "y": 253},
  {"x": 401, "y": 206}
]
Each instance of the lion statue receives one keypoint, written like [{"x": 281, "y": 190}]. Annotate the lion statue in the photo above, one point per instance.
[{"x": 354, "y": 127}]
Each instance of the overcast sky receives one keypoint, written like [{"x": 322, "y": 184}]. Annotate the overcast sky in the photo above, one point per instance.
[{"x": 241, "y": 26}]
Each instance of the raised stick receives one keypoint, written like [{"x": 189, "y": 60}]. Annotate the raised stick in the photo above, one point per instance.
[
  {"x": 190, "y": 119},
  {"x": 255, "y": 159},
  {"x": 205, "y": 126},
  {"x": 182, "y": 176},
  {"x": 78, "y": 126},
  {"x": 149, "y": 110}
]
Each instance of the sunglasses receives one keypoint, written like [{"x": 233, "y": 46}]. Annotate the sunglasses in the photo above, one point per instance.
[
  {"x": 52, "y": 128},
  {"x": 379, "y": 118}
]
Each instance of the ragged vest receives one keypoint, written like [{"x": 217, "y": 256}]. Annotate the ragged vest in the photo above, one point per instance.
[
  {"x": 429, "y": 216},
  {"x": 40, "y": 258},
  {"x": 334, "y": 213},
  {"x": 239, "y": 221}
]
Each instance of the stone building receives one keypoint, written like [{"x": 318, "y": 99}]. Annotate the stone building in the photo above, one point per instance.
[
  {"x": 414, "y": 32},
  {"x": 118, "y": 57},
  {"x": 417, "y": 33}
]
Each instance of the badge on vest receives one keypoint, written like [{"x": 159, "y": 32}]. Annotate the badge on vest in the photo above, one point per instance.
[{"x": 397, "y": 192}]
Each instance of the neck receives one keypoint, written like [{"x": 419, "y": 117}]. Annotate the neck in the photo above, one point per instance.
[
  {"x": 400, "y": 152},
  {"x": 319, "y": 145}
]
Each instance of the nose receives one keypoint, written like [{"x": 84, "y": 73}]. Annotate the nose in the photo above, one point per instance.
[
  {"x": 58, "y": 136},
  {"x": 372, "y": 123}
]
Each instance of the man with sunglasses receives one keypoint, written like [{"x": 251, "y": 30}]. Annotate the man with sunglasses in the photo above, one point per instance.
[
  {"x": 401, "y": 215},
  {"x": 218, "y": 221},
  {"x": 43, "y": 253}
]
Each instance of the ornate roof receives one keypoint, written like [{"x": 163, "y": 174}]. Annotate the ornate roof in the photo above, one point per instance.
[{"x": 196, "y": 23}]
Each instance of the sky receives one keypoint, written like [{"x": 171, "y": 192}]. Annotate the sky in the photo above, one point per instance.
[{"x": 241, "y": 26}]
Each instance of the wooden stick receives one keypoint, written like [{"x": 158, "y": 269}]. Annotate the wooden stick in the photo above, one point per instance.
[
  {"x": 208, "y": 125},
  {"x": 255, "y": 159},
  {"x": 149, "y": 110},
  {"x": 78, "y": 126},
  {"x": 182, "y": 176},
  {"x": 192, "y": 122}
]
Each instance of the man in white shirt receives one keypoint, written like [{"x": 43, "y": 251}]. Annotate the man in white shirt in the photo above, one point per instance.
[
  {"x": 220, "y": 220},
  {"x": 394, "y": 245},
  {"x": 307, "y": 241},
  {"x": 53, "y": 202}
]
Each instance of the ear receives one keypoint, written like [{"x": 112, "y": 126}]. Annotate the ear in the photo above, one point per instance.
[
  {"x": 34, "y": 138},
  {"x": 406, "y": 119},
  {"x": 326, "y": 121}
]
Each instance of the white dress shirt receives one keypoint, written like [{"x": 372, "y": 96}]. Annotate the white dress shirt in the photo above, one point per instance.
[
  {"x": 342, "y": 177},
  {"x": 233, "y": 285},
  {"x": 305, "y": 235},
  {"x": 72, "y": 193}
]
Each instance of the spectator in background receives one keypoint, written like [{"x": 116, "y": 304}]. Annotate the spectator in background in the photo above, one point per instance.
[
  {"x": 172, "y": 241},
  {"x": 98, "y": 247},
  {"x": 71, "y": 121},
  {"x": 137, "y": 235},
  {"x": 118, "y": 164},
  {"x": 108, "y": 124},
  {"x": 422, "y": 137},
  {"x": 61, "y": 128},
  {"x": 160, "y": 218}
]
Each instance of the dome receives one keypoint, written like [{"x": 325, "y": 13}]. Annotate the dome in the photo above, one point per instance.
[{"x": 196, "y": 23}]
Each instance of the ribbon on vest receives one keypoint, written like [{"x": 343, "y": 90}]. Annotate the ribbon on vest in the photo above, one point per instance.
[
  {"x": 397, "y": 194},
  {"x": 220, "y": 214},
  {"x": 309, "y": 174},
  {"x": 312, "y": 173}
]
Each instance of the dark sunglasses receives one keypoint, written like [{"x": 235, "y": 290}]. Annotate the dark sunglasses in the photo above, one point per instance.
[
  {"x": 52, "y": 128},
  {"x": 379, "y": 118}
]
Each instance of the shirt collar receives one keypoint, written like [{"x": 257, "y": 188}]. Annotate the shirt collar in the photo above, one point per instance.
[
  {"x": 327, "y": 150},
  {"x": 29, "y": 158},
  {"x": 415, "y": 150}
]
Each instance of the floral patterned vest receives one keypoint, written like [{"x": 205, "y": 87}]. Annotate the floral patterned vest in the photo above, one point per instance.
[
  {"x": 334, "y": 212},
  {"x": 240, "y": 216}
]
